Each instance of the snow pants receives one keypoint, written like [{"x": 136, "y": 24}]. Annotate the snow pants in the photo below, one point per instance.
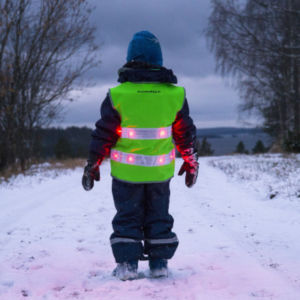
[{"x": 142, "y": 224}]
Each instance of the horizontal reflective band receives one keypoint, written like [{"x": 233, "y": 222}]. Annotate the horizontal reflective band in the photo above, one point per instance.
[
  {"x": 142, "y": 160},
  {"x": 146, "y": 133},
  {"x": 163, "y": 241},
  {"x": 150, "y": 241},
  {"x": 123, "y": 240}
]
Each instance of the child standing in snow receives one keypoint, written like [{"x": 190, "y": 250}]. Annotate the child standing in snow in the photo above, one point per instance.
[{"x": 140, "y": 120}]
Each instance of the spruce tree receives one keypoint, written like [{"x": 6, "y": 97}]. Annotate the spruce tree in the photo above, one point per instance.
[
  {"x": 240, "y": 148},
  {"x": 204, "y": 149},
  {"x": 259, "y": 148}
]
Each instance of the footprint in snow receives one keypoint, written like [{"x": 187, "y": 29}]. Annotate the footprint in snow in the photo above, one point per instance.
[
  {"x": 274, "y": 266},
  {"x": 261, "y": 294},
  {"x": 36, "y": 267},
  {"x": 58, "y": 288},
  {"x": 74, "y": 295},
  {"x": 94, "y": 274},
  {"x": 25, "y": 293},
  {"x": 43, "y": 253},
  {"x": 222, "y": 247}
]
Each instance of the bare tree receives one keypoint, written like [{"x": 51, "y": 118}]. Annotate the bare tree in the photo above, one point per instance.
[
  {"x": 258, "y": 43},
  {"x": 45, "y": 48}
]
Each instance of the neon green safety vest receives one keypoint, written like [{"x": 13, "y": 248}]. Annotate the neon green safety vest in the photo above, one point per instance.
[{"x": 145, "y": 152}]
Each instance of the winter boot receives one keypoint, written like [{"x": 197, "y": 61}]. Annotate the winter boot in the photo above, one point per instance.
[
  {"x": 126, "y": 270},
  {"x": 158, "y": 268}
]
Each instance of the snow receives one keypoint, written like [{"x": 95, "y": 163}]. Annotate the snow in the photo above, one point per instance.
[
  {"x": 36, "y": 174},
  {"x": 270, "y": 175},
  {"x": 235, "y": 243}
]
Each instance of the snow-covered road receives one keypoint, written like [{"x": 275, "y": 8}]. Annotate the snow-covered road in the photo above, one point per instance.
[{"x": 54, "y": 242}]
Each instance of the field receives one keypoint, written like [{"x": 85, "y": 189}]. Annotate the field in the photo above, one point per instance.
[{"x": 238, "y": 230}]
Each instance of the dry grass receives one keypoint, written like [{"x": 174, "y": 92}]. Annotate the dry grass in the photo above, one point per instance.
[
  {"x": 68, "y": 163},
  {"x": 52, "y": 164}
]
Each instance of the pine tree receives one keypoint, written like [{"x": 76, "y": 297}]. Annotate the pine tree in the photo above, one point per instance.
[
  {"x": 204, "y": 148},
  {"x": 240, "y": 148},
  {"x": 63, "y": 149},
  {"x": 259, "y": 148}
]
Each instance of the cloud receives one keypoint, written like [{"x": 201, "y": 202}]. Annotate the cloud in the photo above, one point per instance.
[
  {"x": 178, "y": 26},
  {"x": 210, "y": 102}
]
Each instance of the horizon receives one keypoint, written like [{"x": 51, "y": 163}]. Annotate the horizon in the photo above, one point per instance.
[{"x": 65, "y": 126}]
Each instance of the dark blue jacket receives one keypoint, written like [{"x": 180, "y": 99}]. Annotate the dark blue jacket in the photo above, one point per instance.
[{"x": 105, "y": 135}]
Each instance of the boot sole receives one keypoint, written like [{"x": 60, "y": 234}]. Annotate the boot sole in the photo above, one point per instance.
[
  {"x": 159, "y": 274},
  {"x": 124, "y": 278},
  {"x": 128, "y": 278}
]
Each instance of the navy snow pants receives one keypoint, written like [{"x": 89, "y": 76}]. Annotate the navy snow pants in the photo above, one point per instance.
[{"x": 142, "y": 216}]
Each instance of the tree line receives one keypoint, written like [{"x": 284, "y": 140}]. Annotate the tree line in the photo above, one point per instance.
[
  {"x": 45, "y": 48},
  {"x": 71, "y": 142},
  {"x": 204, "y": 148},
  {"x": 259, "y": 148},
  {"x": 257, "y": 42}
]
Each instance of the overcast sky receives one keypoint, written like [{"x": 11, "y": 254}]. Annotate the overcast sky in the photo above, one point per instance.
[{"x": 178, "y": 26}]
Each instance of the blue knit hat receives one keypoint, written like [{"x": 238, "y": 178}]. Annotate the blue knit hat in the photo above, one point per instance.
[{"x": 145, "y": 47}]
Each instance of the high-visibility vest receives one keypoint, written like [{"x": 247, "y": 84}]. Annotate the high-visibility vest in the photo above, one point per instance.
[{"x": 145, "y": 152}]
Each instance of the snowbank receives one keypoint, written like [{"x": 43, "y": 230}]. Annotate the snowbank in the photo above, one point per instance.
[{"x": 270, "y": 175}]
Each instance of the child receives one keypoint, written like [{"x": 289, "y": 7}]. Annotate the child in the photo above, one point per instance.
[{"x": 140, "y": 120}]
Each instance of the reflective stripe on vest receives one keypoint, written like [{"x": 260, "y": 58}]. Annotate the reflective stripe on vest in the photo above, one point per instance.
[
  {"x": 142, "y": 160},
  {"x": 146, "y": 133}
]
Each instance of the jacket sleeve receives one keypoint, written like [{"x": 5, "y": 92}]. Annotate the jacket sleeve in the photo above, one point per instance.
[
  {"x": 184, "y": 131},
  {"x": 105, "y": 135}
]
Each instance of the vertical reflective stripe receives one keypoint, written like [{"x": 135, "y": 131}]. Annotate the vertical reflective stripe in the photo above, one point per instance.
[
  {"x": 142, "y": 160},
  {"x": 146, "y": 133}
]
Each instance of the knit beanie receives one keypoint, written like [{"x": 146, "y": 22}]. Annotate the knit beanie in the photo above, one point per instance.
[{"x": 145, "y": 47}]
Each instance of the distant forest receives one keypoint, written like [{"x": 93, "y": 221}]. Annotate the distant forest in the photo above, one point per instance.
[{"x": 72, "y": 142}]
